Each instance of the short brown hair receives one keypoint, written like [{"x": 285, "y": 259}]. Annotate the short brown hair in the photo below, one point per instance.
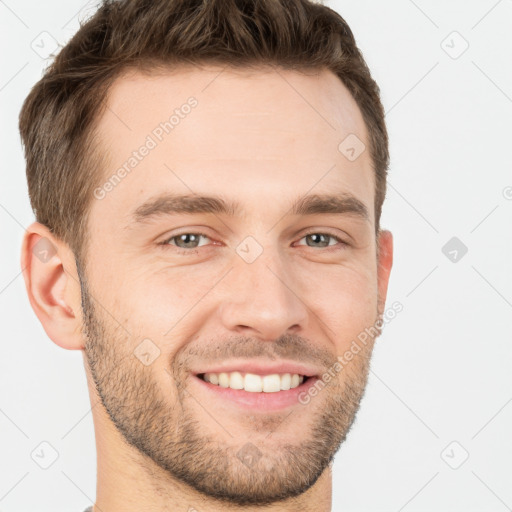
[{"x": 57, "y": 120}]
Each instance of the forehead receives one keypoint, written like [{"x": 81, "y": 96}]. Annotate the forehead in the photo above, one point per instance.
[
  {"x": 259, "y": 132},
  {"x": 229, "y": 97}
]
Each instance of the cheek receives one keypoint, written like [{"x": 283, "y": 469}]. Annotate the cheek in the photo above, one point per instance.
[
  {"x": 161, "y": 304},
  {"x": 344, "y": 298}
]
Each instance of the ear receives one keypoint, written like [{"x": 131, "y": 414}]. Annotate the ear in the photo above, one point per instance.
[
  {"x": 384, "y": 264},
  {"x": 52, "y": 284}
]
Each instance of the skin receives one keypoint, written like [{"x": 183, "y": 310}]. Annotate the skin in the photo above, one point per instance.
[{"x": 163, "y": 443}]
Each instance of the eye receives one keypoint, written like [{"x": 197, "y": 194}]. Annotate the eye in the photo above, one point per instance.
[
  {"x": 321, "y": 240},
  {"x": 185, "y": 241}
]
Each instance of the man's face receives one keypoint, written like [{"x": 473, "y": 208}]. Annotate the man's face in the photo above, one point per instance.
[{"x": 271, "y": 290}]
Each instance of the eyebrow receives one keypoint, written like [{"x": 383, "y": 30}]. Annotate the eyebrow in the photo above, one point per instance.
[{"x": 171, "y": 204}]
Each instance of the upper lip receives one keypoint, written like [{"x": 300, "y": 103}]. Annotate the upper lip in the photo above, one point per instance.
[{"x": 260, "y": 368}]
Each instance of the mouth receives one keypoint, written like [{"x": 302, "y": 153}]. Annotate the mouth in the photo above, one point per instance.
[
  {"x": 258, "y": 388},
  {"x": 254, "y": 383}
]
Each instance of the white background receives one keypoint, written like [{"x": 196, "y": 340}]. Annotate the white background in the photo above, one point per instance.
[{"x": 442, "y": 369}]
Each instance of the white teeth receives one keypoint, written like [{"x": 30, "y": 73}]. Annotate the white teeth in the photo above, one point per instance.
[
  {"x": 271, "y": 383},
  {"x": 255, "y": 383},
  {"x": 223, "y": 380},
  {"x": 286, "y": 381},
  {"x": 236, "y": 381}
]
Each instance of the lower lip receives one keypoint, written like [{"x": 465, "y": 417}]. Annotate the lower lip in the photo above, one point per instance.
[{"x": 262, "y": 401}]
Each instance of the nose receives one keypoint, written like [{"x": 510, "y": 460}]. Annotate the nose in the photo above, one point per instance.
[{"x": 262, "y": 300}]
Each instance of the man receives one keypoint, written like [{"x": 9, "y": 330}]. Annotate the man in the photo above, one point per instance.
[{"x": 208, "y": 180}]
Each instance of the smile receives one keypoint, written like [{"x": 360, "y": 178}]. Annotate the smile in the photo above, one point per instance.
[{"x": 253, "y": 383}]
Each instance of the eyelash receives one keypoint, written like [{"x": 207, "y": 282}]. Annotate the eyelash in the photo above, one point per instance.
[{"x": 165, "y": 244}]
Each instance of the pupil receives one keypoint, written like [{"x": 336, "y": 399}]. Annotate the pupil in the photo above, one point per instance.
[
  {"x": 316, "y": 239},
  {"x": 186, "y": 238}
]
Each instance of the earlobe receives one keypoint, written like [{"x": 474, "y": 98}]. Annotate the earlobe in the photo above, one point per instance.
[
  {"x": 48, "y": 268},
  {"x": 384, "y": 265}
]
